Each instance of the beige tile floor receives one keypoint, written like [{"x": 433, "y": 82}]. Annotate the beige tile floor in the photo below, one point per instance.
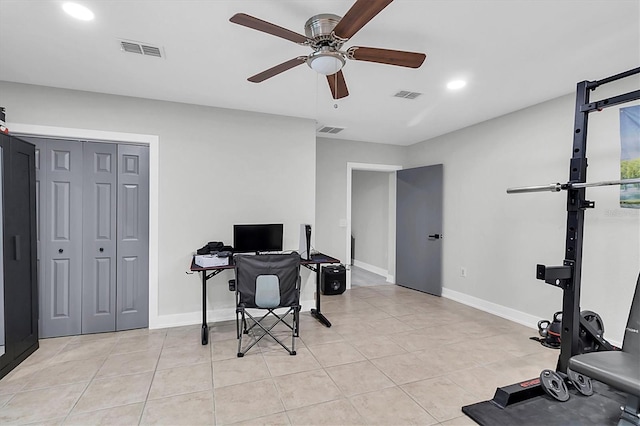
[{"x": 393, "y": 357}]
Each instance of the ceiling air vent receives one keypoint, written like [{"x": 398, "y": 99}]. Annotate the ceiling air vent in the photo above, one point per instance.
[
  {"x": 330, "y": 130},
  {"x": 140, "y": 48},
  {"x": 407, "y": 95},
  {"x": 151, "y": 51}
]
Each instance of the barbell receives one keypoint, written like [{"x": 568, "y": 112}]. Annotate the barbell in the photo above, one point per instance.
[{"x": 557, "y": 187}]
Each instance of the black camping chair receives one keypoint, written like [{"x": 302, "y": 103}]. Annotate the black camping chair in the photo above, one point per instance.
[
  {"x": 619, "y": 369},
  {"x": 268, "y": 282}
]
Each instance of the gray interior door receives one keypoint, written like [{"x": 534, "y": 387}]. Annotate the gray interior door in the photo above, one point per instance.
[
  {"x": 419, "y": 229},
  {"x": 99, "y": 238},
  {"x": 60, "y": 219},
  {"x": 133, "y": 237}
]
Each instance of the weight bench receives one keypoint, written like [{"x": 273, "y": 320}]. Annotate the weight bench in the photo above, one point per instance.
[{"x": 619, "y": 369}]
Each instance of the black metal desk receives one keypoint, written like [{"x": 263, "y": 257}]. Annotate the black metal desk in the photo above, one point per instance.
[{"x": 312, "y": 264}]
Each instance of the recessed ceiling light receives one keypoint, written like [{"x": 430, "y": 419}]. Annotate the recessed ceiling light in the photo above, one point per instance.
[
  {"x": 456, "y": 84},
  {"x": 78, "y": 11}
]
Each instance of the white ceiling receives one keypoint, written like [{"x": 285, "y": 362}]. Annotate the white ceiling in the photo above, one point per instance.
[{"x": 513, "y": 53}]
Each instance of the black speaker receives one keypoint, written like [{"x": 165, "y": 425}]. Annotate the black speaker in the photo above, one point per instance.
[{"x": 333, "y": 279}]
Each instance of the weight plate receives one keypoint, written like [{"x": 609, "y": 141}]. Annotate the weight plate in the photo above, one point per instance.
[
  {"x": 554, "y": 385},
  {"x": 580, "y": 382},
  {"x": 594, "y": 320}
]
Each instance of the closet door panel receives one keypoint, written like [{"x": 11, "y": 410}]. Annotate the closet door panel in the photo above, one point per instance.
[
  {"x": 133, "y": 237},
  {"x": 99, "y": 219},
  {"x": 41, "y": 173},
  {"x": 62, "y": 237}
]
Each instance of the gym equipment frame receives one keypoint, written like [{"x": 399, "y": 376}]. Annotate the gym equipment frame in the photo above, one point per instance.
[{"x": 568, "y": 276}]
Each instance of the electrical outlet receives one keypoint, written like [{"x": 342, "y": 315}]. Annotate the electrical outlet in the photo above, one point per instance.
[{"x": 463, "y": 272}]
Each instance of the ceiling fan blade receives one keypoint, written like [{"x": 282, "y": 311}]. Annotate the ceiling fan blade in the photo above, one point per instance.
[
  {"x": 338, "y": 85},
  {"x": 260, "y": 77},
  {"x": 357, "y": 17},
  {"x": 386, "y": 56},
  {"x": 267, "y": 27}
]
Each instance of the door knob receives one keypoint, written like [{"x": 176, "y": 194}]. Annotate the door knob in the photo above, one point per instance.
[
  {"x": 101, "y": 249},
  {"x": 436, "y": 237},
  {"x": 60, "y": 250}
]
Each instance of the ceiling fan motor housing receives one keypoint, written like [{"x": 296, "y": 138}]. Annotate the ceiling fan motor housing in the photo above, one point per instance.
[
  {"x": 327, "y": 58},
  {"x": 319, "y": 29}
]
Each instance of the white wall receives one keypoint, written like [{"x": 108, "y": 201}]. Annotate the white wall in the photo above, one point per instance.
[
  {"x": 500, "y": 238},
  {"x": 332, "y": 156},
  {"x": 370, "y": 218},
  {"x": 216, "y": 166}
]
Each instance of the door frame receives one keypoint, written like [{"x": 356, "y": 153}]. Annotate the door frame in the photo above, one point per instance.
[
  {"x": 389, "y": 168},
  {"x": 153, "y": 142}
]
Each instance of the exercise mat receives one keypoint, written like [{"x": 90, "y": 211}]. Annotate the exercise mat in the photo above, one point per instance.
[{"x": 601, "y": 409}]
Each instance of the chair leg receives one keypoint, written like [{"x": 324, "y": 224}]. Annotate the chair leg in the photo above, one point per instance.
[
  {"x": 247, "y": 330},
  {"x": 294, "y": 331},
  {"x": 239, "y": 329},
  {"x": 267, "y": 330},
  {"x": 283, "y": 318}
]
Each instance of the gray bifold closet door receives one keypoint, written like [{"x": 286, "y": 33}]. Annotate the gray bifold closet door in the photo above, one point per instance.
[
  {"x": 93, "y": 236},
  {"x": 133, "y": 237},
  {"x": 59, "y": 196},
  {"x": 99, "y": 237}
]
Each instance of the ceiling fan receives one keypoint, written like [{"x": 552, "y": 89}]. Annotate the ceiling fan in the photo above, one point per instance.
[{"x": 325, "y": 34}]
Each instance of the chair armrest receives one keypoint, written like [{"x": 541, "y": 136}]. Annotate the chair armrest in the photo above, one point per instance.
[{"x": 232, "y": 285}]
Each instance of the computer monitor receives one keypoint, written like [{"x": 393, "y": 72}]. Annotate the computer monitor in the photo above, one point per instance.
[{"x": 257, "y": 238}]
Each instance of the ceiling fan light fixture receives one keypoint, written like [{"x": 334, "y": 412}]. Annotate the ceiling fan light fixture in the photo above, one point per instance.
[{"x": 326, "y": 62}]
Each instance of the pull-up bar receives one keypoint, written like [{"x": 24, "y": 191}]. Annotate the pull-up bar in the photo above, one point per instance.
[{"x": 557, "y": 187}]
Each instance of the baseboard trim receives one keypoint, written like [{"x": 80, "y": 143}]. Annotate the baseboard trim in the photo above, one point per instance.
[
  {"x": 213, "y": 315},
  {"x": 502, "y": 311},
  {"x": 374, "y": 269},
  {"x": 492, "y": 308}
]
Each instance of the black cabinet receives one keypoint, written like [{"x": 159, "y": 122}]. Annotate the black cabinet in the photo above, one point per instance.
[{"x": 18, "y": 278}]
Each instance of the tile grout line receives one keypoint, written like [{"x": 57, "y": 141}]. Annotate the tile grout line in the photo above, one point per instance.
[
  {"x": 88, "y": 383},
  {"x": 144, "y": 403},
  {"x": 213, "y": 385}
]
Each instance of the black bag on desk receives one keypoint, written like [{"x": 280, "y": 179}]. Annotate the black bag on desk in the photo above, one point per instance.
[{"x": 213, "y": 247}]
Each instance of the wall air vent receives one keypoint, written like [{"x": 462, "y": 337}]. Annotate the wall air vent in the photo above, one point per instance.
[
  {"x": 407, "y": 95},
  {"x": 330, "y": 130},
  {"x": 140, "y": 48}
]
